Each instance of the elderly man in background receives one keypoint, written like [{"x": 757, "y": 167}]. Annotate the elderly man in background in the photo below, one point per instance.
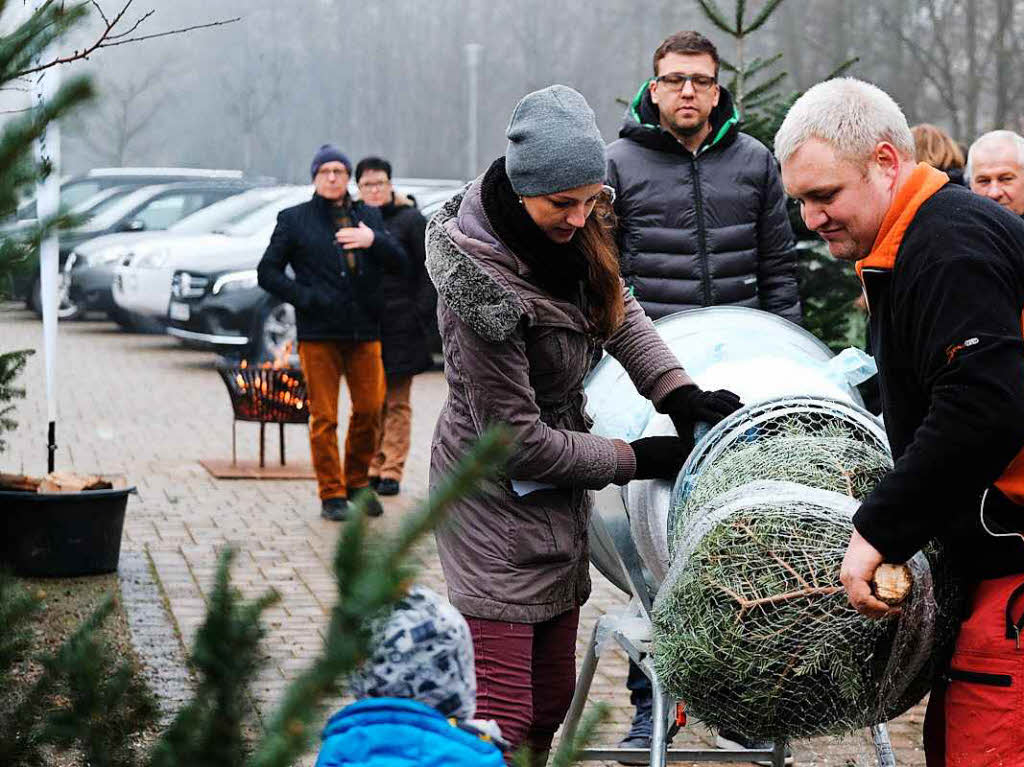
[
  {"x": 943, "y": 273},
  {"x": 338, "y": 249},
  {"x": 995, "y": 168}
]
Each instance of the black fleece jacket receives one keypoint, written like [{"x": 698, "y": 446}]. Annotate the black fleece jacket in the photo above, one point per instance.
[
  {"x": 946, "y": 329},
  {"x": 332, "y": 299}
]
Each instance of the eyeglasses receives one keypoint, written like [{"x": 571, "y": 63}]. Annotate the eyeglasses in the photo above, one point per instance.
[
  {"x": 374, "y": 185},
  {"x": 676, "y": 81}
]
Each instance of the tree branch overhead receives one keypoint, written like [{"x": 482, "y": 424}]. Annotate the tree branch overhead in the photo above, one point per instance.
[{"x": 117, "y": 30}]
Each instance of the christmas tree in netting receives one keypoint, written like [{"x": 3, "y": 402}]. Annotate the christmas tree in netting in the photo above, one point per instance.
[{"x": 752, "y": 627}]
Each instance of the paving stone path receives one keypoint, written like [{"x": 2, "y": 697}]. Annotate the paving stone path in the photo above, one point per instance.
[{"x": 142, "y": 406}]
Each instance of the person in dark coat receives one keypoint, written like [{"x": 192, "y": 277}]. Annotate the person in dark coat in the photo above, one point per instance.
[
  {"x": 702, "y": 219},
  {"x": 408, "y": 301},
  {"x": 338, "y": 250},
  {"x": 702, "y": 214},
  {"x": 943, "y": 273}
]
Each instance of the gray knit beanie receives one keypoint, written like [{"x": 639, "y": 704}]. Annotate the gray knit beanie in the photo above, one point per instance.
[{"x": 553, "y": 143}]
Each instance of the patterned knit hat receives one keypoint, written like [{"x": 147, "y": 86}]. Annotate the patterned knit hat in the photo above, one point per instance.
[{"x": 423, "y": 651}]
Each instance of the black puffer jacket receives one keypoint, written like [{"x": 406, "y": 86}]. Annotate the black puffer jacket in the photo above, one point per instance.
[
  {"x": 331, "y": 300},
  {"x": 704, "y": 229},
  {"x": 408, "y": 300}
]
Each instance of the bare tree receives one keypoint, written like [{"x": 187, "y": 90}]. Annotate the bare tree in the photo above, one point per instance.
[{"x": 126, "y": 110}]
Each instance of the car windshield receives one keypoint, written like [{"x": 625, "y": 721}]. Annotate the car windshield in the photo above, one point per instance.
[
  {"x": 104, "y": 197},
  {"x": 113, "y": 209},
  {"x": 265, "y": 216},
  {"x": 227, "y": 212},
  {"x": 73, "y": 195}
]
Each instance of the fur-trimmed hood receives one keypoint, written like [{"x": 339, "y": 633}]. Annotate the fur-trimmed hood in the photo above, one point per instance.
[{"x": 467, "y": 267}]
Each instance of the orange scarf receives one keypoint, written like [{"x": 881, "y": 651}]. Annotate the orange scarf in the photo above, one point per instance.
[{"x": 922, "y": 184}]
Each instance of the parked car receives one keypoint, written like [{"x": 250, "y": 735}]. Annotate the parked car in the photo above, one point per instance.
[
  {"x": 146, "y": 209},
  {"x": 76, "y": 189},
  {"x": 142, "y": 273},
  {"x": 221, "y": 307}
]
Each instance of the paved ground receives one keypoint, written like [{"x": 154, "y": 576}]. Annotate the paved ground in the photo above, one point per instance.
[{"x": 144, "y": 407}]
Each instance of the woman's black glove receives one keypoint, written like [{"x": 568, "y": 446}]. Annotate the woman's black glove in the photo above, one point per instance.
[
  {"x": 689, "y": 405},
  {"x": 660, "y": 457}
]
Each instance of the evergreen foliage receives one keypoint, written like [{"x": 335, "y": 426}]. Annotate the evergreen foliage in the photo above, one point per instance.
[
  {"x": 84, "y": 700},
  {"x": 82, "y": 696},
  {"x": 828, "y": 288},
  {"x": 11, "y": 365}
]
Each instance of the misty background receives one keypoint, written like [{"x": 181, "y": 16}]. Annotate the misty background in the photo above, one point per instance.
[{"x": 392, "y": 77}]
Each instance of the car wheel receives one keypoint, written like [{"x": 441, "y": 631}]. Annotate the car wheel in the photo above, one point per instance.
[
  {"x": 66, "y": 308},
  {"x": 274, "y": 331}
]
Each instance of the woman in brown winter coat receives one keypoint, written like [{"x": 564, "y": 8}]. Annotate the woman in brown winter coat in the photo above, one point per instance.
[{"x": 527, "y": 274}]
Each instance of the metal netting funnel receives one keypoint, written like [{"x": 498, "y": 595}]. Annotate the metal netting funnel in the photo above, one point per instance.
[{"x": 820, "y": 443}]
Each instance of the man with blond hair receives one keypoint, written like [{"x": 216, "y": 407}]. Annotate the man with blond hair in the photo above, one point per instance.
[
  {"x": 995, "y": 168},
  {"x": 943, "y": 273}
]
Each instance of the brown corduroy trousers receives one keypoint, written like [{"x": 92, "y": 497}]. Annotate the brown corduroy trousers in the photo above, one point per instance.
[
  {"x": 396, "y": 431},
  {"x": 323, "y": 365}
]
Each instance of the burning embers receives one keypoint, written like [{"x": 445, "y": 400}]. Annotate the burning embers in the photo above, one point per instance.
[
  {"x": 271, "y": 392},
  {"x": 267, "y": 392}
]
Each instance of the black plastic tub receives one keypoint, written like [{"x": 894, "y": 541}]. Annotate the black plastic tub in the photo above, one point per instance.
[{"x": 62, "y": 534}]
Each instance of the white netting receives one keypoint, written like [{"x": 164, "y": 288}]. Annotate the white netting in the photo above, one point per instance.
[{"x": 752, "y": 627}]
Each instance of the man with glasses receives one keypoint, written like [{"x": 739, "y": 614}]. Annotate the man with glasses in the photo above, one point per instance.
[
  {"x": 702, "y": 221},
  {"x": 338, "y": 250},
  {"x": 408, "y": 304},
  {"x": 701, "y": 210}
]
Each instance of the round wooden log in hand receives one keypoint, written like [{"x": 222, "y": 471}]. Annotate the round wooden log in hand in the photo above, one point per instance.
[{"x": 892, "y": 583}]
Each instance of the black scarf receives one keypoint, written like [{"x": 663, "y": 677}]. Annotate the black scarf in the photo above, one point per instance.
[{"x": 558, "y": 269}]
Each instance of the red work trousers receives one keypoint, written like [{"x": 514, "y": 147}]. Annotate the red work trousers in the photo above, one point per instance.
[
  {"x": 976, "y": 712},
  {"x": 525, "y": 676}
]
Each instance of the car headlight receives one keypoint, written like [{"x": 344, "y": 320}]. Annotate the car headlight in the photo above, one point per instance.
[{"x": 235, "y": 281}]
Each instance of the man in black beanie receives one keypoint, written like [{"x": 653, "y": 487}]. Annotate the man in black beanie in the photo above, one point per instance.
[{"x": 338, "y": 249}]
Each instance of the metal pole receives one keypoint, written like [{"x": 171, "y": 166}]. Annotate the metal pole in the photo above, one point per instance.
[
  {"x": 583, "y": 682},
  {"x": 47, "y": 206},
  {"x": 472, "y": 106},
  {"x": 280, "y": 434}
]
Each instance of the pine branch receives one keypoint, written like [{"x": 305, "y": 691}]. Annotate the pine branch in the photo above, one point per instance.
[
  {"x": 104, "y": 705},
  {"x": 741, "y": 7},
  {"x": 226, "y": 656},
  {"x": 715, "y": 16},
  {"x": 32, "y": 38},
  {"x": 758, "y": 64},
  {"x": 763, "y": 15},
  {"x": 766, "y": 87}
]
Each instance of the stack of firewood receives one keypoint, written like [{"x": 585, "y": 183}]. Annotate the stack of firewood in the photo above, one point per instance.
[{"x": 55, "y": 482}]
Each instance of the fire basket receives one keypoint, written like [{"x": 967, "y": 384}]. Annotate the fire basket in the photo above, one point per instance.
[{"x": 268, "y": 392}]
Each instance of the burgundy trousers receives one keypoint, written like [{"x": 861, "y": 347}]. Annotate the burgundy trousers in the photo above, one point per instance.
[{"x": 525, "y": 676}]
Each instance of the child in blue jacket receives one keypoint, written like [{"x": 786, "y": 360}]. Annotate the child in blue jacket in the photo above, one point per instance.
[{"x": 415, "y": 697}]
